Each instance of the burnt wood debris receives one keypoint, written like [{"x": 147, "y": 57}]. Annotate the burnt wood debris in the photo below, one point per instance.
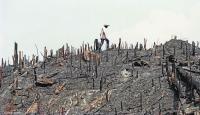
[{"x": 118, "y": 79}]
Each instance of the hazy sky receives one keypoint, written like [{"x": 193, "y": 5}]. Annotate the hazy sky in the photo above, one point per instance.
[{"x": 52, "y": 23}]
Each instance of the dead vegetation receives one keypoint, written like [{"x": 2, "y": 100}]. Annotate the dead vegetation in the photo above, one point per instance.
[{"x": 119, "y": 80}]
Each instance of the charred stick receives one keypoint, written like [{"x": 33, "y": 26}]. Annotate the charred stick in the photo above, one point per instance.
[
  {"x": 137, "y": 74},
  {"x": 174, "y": 51},
  {"x": 15, "y": 56},
  {"x": 152, "y": 83},
  {"x": 2, "y": 63},
  {"x": 193, "y": 48},
  {"x": 93, "y": 83},
  {"x": 101, "y": 84},
  {"x": 35, "y": 74},
  {"x": 90, "y": 58},
  {"x": 186, "y": 50},
  {"x": 106, "y": 56},
  {"x": 115, "y": 111},
  {"x": 127, "y": 57},
  {"x": 119, "y": 46},
  {"x": 163, "y": 51},
  {"x": 44, "y": 67},
  {"x": 121, "y": 106},
  {"x": 160, "y": 82},
  {"x": 162, "y": 69},
  {"x": 96, "y": 69},
  {"x": 141, "y": 101}
]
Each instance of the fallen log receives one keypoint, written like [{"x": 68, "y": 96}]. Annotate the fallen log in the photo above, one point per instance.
[
  {"x": 186, "y": 78},
  {"x": 193, "y": 71}
]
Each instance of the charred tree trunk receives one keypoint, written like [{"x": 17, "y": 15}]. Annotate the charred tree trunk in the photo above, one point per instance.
[
  {"x": 96, "y": 69},
  {"x": 119, "y": 46},
  {"x": 15, "y": 59},
  {"x": 174, "y": 51},
  {"x": 186, "y": 51},
  {"x": 106, "y": 56},
  {"x": 135, "y": 53},
  {"x": 51, "y": 53},
  {"x": 162, "y": 69},
  {"x": 2, "y": 63},
  {"x": 44, "y": 67},
  {"x": 122, "y": 106},
  {"x": 167, "y": 69},
  {"x": 163, "y": 51},
  {"x": 145, "y": 44},
  {"x": 35, "y": 75},
  {"x": 181, "y": 45},
  {"x": 101, "y": 84},
  {"x": 193, "y": 48},
  {"x": 93, "y": 83},
  {"x": 141, "y": 101}
]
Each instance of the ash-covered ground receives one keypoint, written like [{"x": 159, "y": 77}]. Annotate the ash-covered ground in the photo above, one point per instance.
[{"x": 127, "y": 81}]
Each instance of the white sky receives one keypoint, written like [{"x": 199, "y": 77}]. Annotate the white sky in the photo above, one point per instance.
[{"x": 52, "y": 23}]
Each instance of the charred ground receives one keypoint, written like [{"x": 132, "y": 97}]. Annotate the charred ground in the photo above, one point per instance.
[{"x": 159, "y": 80}]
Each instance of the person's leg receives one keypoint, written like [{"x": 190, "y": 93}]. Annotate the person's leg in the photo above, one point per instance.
[
  {"x": 101, "y": 44},
  {"x": 102, "y": 41},
  {"x": 107, "y": 43}
]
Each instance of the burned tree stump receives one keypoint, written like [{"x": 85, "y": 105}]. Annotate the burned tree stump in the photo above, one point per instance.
[
  {"x": 141, "y": 101},
  {"x": 122, "y": 106},
  {"x": 15, "y": 58},
  {"x": 115, "y": 111},
  {"x": 145, "y": 44},
  {"x": 181, "y": 45},
  {"x": 137, "y": 74},
  {"x": 93, "y": 83},
  {"x": 186, "y": 51},
  {"x": 163, "y": 48},
  {"x": 51, "y": 53},
  {"x": 101, "y": 84},
  {"x": 96, "y": 70},
  {"x": 162, "y": 69},
  {"x": 2, "y": 63},
  {"x": 106, "y": 56},
  {"x": 152, "y": 83},
  {"x": 80, "y": 58},
  {"x": 119, "y": 46},
  {"x": 141, "y": 47},
  {"x": 20, "y": 60},
  {"x": 90, "y": 61},
  {"x": 96, "y": 45},
  {"x": 174, "y": 51},
  {"x": 35, "y": 74},
  {"x": 127, "y": 57},
  {"x": 44, "y": 67},
  {"x": 135, "y": 53},
  {"x": 45, "y": 53},
  {"x": 193, "y": 48},
  {"x": 136, "y": 46}
]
